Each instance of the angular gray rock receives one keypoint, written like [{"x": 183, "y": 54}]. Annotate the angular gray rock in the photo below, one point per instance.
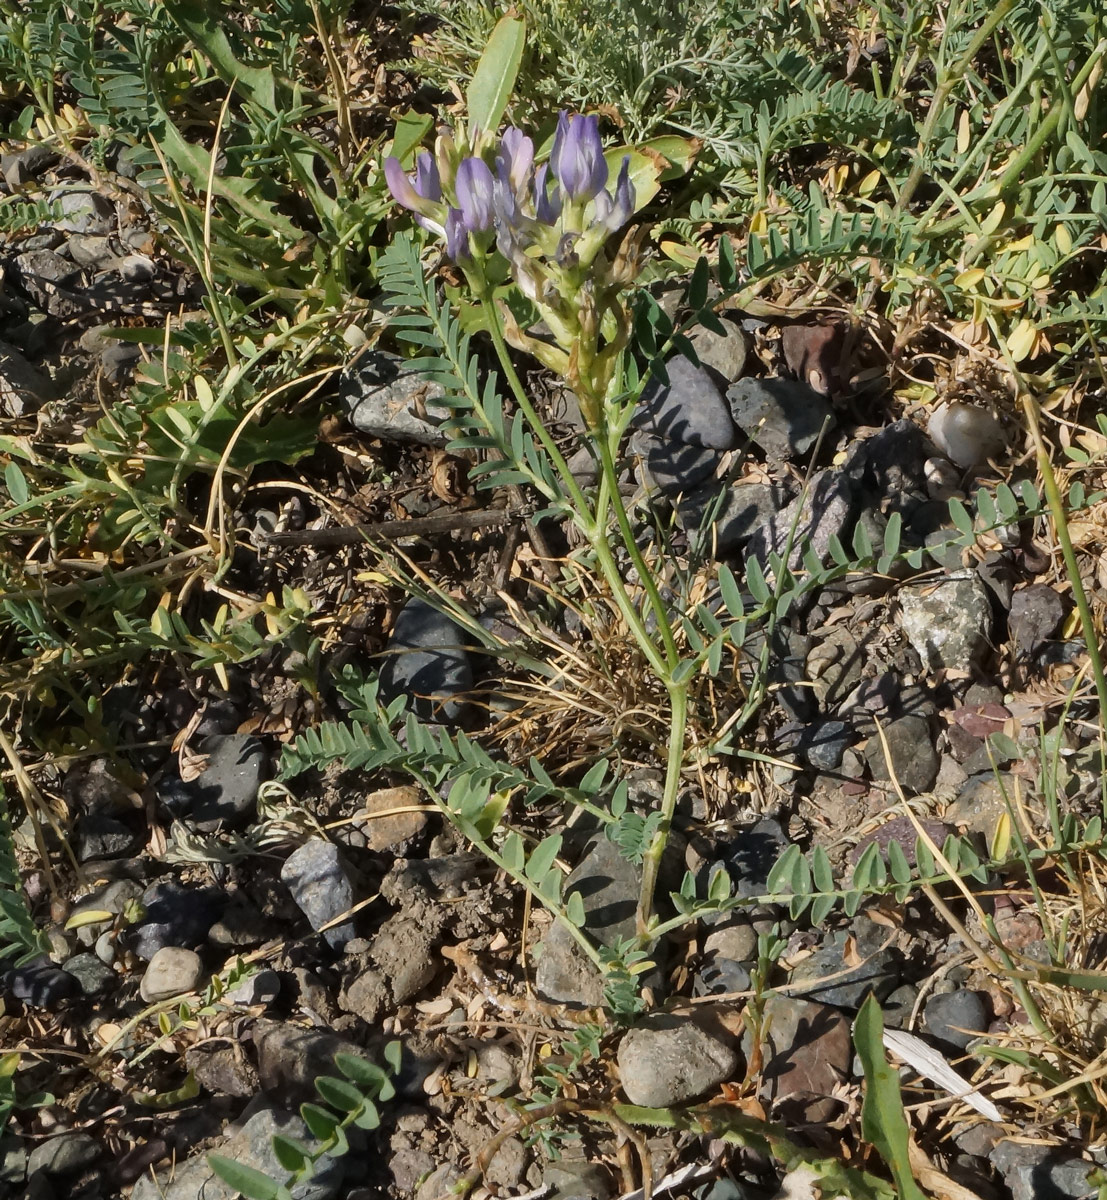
[
  {"x": 724, "y": 352},
  {"x": 949, "y": 623},
  {"x": 225, "y": 793},
  {"x": 675, "y": 468},
  {"x": 65, "y": 1154},
  {"x": 807, "y": 1052},
  {"x": 720, "y": 518},
  {"x": 23, "y": 388},
  {"x": 93, "y": 975},
  {"x": 878, "y": 971},
  {"x": 84, "y": 212},
  {"x": 172, "y": 971},
  {"x": 915, "y": 760},
  {"x": 689, "y": 409},
  {"x": 608, "y": 886},
  {"x": 823, "y": 510},
  {"x": 252, "y": 1144},
  {"x": 1036, "y": 612},
  {"x": 291, "y": 1057},
  {"x": 669, "y": 1059},
  {"x": 317, "y": 879},
  {"x": 384, "y": 400},
  {"x": 948, "y": 1015},
  {"x": 1042, "y": 1172},
  {"x": 426, "y": 659},
  {"x": 781, "y": 416}
]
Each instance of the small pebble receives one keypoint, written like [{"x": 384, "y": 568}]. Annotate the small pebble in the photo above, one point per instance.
[{"x": 171, "y": 972}]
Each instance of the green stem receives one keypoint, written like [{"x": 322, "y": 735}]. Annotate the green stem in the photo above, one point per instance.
[
  {"x": 645, "y": 575},
  {"x": 1061, "y": 526},
  {"x": 948, "y": 82},
  {"x": 496, "y": 332},
  {"x": 1015, "y": 168},
  {"x": 651, "y": 862}
]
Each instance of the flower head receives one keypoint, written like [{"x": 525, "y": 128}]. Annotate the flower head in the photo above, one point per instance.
[{"x": 577, "y": 156}]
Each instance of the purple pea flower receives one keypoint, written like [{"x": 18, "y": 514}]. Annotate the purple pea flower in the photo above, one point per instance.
[
  {"x": 547, "y": 205},
  {"x": 623, "y": 207},
  {"x": 457, "y": 236},
  {"x": 428, "y": 183},
  {"x": 577, "y": 156},
  {"x": 516, "y": 157},
  {"x": 475, "y": 189},
  {"x": 400, "y": 185}
]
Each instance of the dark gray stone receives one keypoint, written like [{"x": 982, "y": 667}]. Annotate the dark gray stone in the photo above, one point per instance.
[
  {"x": 263, "y": 987},
  {"x": 669, "y": 1059},
  {"x": 112, "y": 898},
  {"x": 725, "y": 352},
  {"x": 23, "y": 388},
  {"x": 1036, "y": 613},
  {"x": 676, "y": 468},
  {"x": 65, "y": 1154},
  {"x": 384, "y": 400},
  {"x": 878, "y": 972},
  {"x": 20, "y": 168},
  {"x": 608, "y": 885},
  {"x": 225, "y": 793},
  {"x": 44, "y": 266},
  {"x": 947, "y": 1014},
  {"x": 822, "y": 744},
  {"x": 720, "y": 518},
  {"x": 252, "y": 1145},
  {"x": 175, "y": 916},
  {"x": 93, "y": 975},
  {"x": 40, "y": 984},
  {"x": 291, "y": 1057},
  {"x": 690, "y": 408},
  {"x": 899, "y": 1005},
  {"x": 100, "y": 836},
  {"x": 84, "y": 212},
  {"x": 13, "y": 1163},
  {"x": 222, "y": 1068},
  {"x": 95, "y": 253},
  {"x": 426, "y": 660},
  {"x": 915, "y": 761},
  {"x": 781, "y": 416},
  {"x": 1043, "y": 1172},
  {"x": 890, "y": 465},
  {"x": 576, "y": 1179},
  {"x": 749, "y": 857},
  {"x": 119, "y": 360},
  {"x": 317, "y": 879}
]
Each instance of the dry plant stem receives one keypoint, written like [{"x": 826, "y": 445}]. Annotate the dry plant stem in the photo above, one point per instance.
[
  {"x": 1060, "y": 524},
  {"x": 948, "y": 82}
]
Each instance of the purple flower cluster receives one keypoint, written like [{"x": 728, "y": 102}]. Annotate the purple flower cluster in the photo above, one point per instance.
[{"x": 562, "y": 207}]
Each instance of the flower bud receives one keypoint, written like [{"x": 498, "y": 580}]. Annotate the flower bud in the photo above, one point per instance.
[{"x": 577, "y": 157}]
